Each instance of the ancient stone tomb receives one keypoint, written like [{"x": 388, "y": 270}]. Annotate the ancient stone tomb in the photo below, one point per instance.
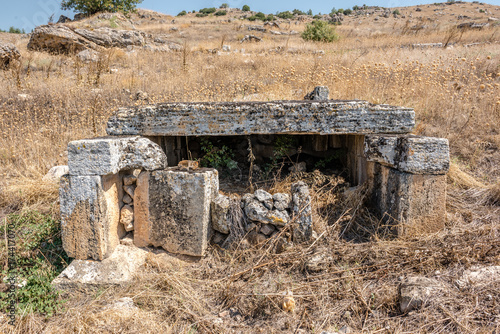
[{"x": 135, "y": 183}]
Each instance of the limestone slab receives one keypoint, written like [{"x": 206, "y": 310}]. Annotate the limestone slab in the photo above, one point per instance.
[
  {"x": 118, "y": 269},
  {"x": 109, "y": 155},
  {"x": 412, "y": 154},
  {"x": 90, "y": 215},
  {"x": 172, "y": 209},
  {"x": 302, "y": 212},
  {"x": 276, "y": 117}
]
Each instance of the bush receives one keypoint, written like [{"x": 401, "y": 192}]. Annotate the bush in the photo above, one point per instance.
[
  {"x": 182, "y": 13},
  {"x": 220, "y": 13},
  {"x": 396, "y": 12},
  {"x": 319, "y": 31},
  {"x": 285, "y": 15},
  {"x": 201, "y": 15},
  {"x": 224, "y": 5},
  {"x": 208, "y": 10},
  {"x": 245, "y": 8},
  {"x": 13, "y": 30},
  {"x": 298, "y": 12},
  {"x": 270, "y": 17},
  {"x": 347, "y": 11},
  {"x": 259, "y": 16},
  {"x": 90, "y": 7}
]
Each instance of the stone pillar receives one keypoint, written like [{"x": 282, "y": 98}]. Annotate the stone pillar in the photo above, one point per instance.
[
  {"x": 172, "y": 209},
  {"x": 408, "y": 181},
  {"x": 91, "y": 194}
]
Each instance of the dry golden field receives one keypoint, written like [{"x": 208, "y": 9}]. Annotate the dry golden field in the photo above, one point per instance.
[{"x": 48, "y": 100}]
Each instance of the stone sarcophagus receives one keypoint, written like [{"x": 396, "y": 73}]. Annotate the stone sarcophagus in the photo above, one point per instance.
[{"x": 131, "y": 181}]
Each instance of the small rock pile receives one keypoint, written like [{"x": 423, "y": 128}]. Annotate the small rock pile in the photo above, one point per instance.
[
  {"x": 265, "y": 215},
  {"x": 127, "y": 210}
]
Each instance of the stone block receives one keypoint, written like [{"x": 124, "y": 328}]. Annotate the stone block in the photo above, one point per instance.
[
  {"x": 90, "y": 215},
  {"x": 416, "y": 203},
  {"x": 118, "y": 269},
  {"x": 172, "y": 209},
  {"x": 109, "y": 155},
  {"x": 302, "y": 212},
  {"x": 412, "y": 154}
]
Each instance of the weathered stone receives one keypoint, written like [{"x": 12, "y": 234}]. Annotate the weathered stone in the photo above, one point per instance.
[
  {"x": 129, "y": 180},
  {"x": 90, "y": 215},
  {"x": 102, "y": 156},
  {"x": 8, "y": 54},
  {"x": 412, "y": 154},
  {"x": 281, "y": 201},
  {"x": 245, "y": 118},
  {"x": 256, "y": 211},
  {"x": 118, "y": 269},
  {"x": 278, "y": 217},
  {"x": 319, "y": 93},
  {"x": 302, "y": 212},
  {"x": 108, "y": 37},
  {"x": 127, "y": 217},
  {"x": 319, "y": 261},
  {"x": 58, "y": 39},
  {"x": 172, "y": 209},
  {"x": 415, "y": 203},
  {"x": 267, "y": 229},
  {"x": 88, "y": 55},
  {"x": 220, "y": 209},
  {"x": 414, "y": 292},
  {"x": 127, "y": 199},
  {"x": 55, "y": 173},
  {"x": 265, "y": 198},
  {"x": 129, "y": 190}
]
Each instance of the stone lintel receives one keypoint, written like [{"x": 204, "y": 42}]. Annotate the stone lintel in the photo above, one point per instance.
[
  {"x": 109, "y": 155},
  {"x": 172, "y": 209},
  {"x": 247, "y": 118},
  {"x": 412, "y": 154}
]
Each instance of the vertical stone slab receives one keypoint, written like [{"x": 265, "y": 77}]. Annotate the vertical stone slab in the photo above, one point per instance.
[
  {"x": 416, "y": 203},
  {"x": 302, "y": 212},
  {"x": 172, "y": 209},
  {"x": 356, "y": 161},
  {"x": 90, "y": 214}
]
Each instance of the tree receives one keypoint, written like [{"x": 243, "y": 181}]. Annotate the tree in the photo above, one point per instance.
[
  {"x": 319, "y": 31},
  {"x": 224, "y": 5},
  {"x": 90, "y": 7},
  {"x": 310, "y": 12},
  {"x": 245, "y": 8}
]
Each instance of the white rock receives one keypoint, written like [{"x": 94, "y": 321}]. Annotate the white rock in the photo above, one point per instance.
[
  {"x": 55, "y": 173},
  {"x": 265, "y": 198},
  {"x": 281, "y": 201}
]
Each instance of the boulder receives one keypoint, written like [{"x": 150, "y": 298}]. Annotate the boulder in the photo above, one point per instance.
[
  {"x": 57, "y": 39},
  {"x": 415, "y": 291},
  {"x": 108, "y": 37},
  {"x": 109, "y": 155},
  {"x": 265, "y": 198},
  {"x": 220, "y": 219},
  {"x": 302, "y": 212},
  {"x": 8, "y": 54}
]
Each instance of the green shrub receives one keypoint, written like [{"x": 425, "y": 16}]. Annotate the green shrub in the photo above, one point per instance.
[
  {"x": 182, "y": 13},
  {"x": 270, "y": 17},
  {"x": 319, "y": 31},
  {"x": 40, "y": 258},
  {"x": 298, "y": 12},
  {"x": 208, "y": 10},
  {"x": 215, "y": 156},
  {"x": 348, "y": 11},
  {"x": 224, "y": 5},
  {"x": 245, "y": 8},
  {"x": 95, "y": 6},
  {"x": 396, "y": 12},
  {"x": 220, "y": 13},
  {"x": 13, "y": 30},
  {"x": 201, "y": 15},
  {"x": 310, "y": 12},
  {"x": 285, "y": 15}
]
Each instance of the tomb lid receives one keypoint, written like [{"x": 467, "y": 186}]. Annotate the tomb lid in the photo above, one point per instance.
[{"x": 273, "y": 117}]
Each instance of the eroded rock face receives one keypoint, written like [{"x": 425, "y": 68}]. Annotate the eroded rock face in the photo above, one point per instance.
[
  {"x": 102, "y": 156},
  {"x": 172, "y": 209},
  {"x": 108, "y": 37},
  {"x": 58, "y": 39},
  {"x": 8, "y": 54}
]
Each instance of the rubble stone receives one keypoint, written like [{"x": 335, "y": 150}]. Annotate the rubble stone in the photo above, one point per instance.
[
  {"x": 220, "y": 219},
  {"x": 281, "y": 201},
  {"x": 302, "y": 212},
  {"x": 414, "y": 292},
  {"x": 265, "y": 198}
]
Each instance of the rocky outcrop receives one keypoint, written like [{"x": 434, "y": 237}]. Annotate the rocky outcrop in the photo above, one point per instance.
[
  {"x": 63, "y": 39},
  {"x": 8, "y": 54}
]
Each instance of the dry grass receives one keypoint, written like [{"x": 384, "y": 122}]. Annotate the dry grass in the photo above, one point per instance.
[{"x": 455, "y": 93}]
